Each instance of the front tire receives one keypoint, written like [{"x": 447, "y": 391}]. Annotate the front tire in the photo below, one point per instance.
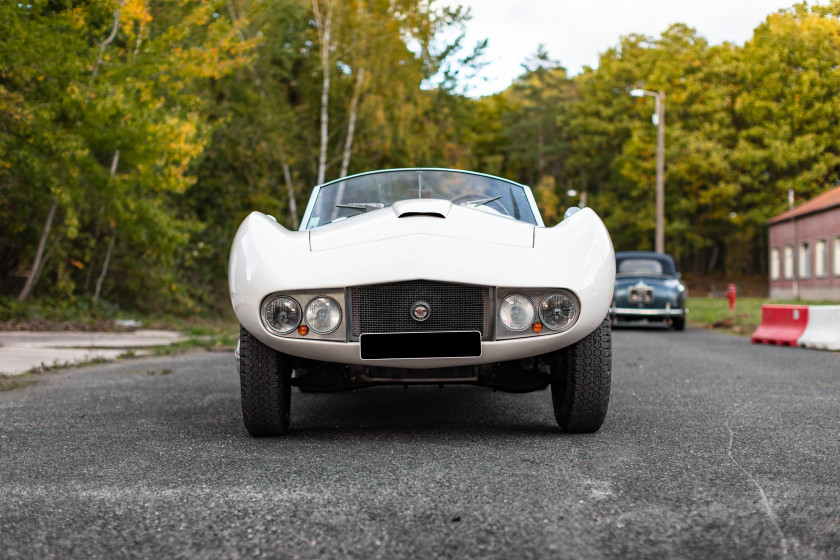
[
  {"x": 580, "y": 382},
  {"x": 265, "y": 381},
  {"x": 679, "y": 323}
]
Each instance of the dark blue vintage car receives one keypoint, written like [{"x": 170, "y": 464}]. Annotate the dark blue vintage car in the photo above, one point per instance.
[{"x": 648, "y": 288}]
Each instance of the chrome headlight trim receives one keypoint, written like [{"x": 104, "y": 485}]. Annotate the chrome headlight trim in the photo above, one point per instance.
[
  {"x": 546, "y": 306},
  {"x": 270, "y": 309},
  {"x": 511, "y": 306},
  {"x": 315, "y": 310}
]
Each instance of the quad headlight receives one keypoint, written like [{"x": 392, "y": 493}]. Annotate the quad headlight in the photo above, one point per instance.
[
  {"x": 516, "y": 312},
  {"x": 558, "y": 311},
  {"x": 323, "y": 315},
  {"x": 282, "y": 315},
  {"x": 535, "y": 312}
]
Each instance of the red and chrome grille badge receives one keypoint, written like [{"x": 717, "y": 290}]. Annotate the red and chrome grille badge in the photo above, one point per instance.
[{"x": 420, "y": 311}]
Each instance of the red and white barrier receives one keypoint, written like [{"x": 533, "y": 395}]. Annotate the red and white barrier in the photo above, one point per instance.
[
  {"x": 781, "y": 324},
  {"x": 823, "y": 330},
  {"x": 811, "y": 326}
]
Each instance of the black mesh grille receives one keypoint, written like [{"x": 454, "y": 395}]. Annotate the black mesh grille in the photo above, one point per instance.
[{"x": 386, "y": 308}]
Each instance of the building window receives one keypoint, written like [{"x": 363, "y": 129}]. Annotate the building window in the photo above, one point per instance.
[
  {"x": 788, "y": 262},
  {"x": 774, "y": 263},
  {"x": 836, "y": 257},
  {"x": 804, "y": 260},
  {"x": 820, "y": 256}
]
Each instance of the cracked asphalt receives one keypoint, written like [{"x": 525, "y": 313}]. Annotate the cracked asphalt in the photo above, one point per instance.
[{"x": 712, "y": 447}]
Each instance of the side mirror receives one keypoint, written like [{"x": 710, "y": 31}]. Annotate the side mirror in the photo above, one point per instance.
[{"x": 571, "y": 212}]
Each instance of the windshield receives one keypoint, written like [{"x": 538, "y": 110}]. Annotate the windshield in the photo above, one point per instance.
[
  {"x": 639, "y": 266},
  {"x": 642, "y": 265},
  {"x": 371, "y": 191}
]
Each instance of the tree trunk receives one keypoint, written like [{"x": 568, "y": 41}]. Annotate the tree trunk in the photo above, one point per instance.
[
  {"x": 104, "y": 269},
  {"x": 351, "y": 125},
  {"x": 325, "y": 32},
  {"x": 34, "y": 273},
  {"x": 291, "y": 191},
  {"x": 713, "y": 259},
  {"x": 140, "y": 33},
  {"x": 114, "y": 162}
]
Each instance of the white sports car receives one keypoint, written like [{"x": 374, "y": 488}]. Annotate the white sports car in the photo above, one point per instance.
[{"x": 423, "y": 276}]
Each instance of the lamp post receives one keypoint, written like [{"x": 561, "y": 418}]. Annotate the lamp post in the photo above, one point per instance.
[{"x": 659, "y": 121}]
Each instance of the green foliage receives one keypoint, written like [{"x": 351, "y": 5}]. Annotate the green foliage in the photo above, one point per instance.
[
  {"x": 56, "y": 311},
  {"x": 161, "y": 125},
  {"x": 107, "y": 122},
  {"x": 742, "y": 126}
]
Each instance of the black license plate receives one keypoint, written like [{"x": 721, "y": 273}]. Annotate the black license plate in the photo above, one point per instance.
[{"x": 420, "y": 345}]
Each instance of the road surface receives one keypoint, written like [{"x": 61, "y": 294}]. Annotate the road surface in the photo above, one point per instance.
[{"x": 712, "y": 448}]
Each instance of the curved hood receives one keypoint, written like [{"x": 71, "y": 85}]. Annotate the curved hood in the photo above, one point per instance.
[{"x": 428, "y": 217}]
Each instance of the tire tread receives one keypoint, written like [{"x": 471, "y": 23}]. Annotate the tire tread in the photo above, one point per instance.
[
  {"x": 580, "y": 390},
  {"x": 264, "y": 379}
]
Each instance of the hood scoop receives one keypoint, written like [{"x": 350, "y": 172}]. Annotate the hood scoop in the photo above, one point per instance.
[
  {"x": 420, "y": 207},
  {"x": 423, "y": 217}
]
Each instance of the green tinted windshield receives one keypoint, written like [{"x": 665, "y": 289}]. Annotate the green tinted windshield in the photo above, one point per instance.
[{"x": 370, "y": 191}]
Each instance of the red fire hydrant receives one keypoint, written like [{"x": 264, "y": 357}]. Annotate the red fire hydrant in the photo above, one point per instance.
[{"x": 731, "y": 294}]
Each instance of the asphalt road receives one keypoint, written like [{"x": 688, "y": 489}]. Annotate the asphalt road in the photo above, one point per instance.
[{"x": 712, "y": 448}]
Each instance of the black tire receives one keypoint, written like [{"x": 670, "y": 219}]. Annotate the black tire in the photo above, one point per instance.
[
  {"x": 265, "y": 381},
  {"x": 679, "y": 323},
  {"x": 580, "y": 382}
]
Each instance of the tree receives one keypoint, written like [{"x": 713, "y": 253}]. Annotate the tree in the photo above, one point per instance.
[{"x": 102, "y": 79}]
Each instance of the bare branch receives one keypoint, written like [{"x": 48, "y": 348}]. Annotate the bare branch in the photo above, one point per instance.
[{"x": 108, "y": 40}]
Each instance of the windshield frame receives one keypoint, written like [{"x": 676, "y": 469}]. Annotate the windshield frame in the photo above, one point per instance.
[{"x": 310, "y": 207}]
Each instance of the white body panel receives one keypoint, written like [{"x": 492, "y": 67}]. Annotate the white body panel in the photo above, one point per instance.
[{"x": 467, "y": 245}]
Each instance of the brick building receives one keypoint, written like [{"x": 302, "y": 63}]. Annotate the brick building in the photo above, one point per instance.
[{"x": 805, "y": 250}]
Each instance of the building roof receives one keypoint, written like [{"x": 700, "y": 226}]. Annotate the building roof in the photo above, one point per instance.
[{"x": 826, "y": 200}]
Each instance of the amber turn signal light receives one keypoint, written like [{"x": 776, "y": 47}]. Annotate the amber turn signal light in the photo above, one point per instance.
[
  {"x": 303, "y": 330},
  {"x": 537, "y": 327}
]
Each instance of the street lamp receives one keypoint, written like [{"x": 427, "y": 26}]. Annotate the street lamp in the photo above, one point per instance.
[{"x": 659, "y": 121}]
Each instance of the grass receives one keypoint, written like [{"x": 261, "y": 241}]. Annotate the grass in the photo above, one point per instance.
[
  {"x": 216, "y": 338},
  {"x": 11, "y": 382},
  {"x": 81, "y": 314},
  {"x": 714, "y": 313}
]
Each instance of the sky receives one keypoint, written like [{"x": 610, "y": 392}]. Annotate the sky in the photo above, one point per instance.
[{"x": 576, "y": 32}]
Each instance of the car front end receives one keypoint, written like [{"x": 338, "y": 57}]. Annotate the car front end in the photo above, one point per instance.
[
  {"x": 423, "y": 276},
  {"x": 359, "y": 301}
]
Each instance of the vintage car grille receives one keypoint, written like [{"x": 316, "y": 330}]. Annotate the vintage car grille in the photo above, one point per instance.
[{"x": 386, "y": 308}]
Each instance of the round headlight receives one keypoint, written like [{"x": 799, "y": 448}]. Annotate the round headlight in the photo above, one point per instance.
[
  {"x": 323, "y": 315},
  {"x": 282, "y": 315},
  {"x": 516, "y": 312},
  {"x": 558, "y": 311}
]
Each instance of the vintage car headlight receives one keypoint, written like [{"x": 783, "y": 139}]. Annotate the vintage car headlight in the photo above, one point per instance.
[
  {"x": 323, "y": 315},
  {"x": 282, "y": 315},
  {"x": 516, "y": 312},
  {"x": 558, "y": 311}
]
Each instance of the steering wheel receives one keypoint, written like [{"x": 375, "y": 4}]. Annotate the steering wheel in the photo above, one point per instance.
[{"x": 466, "y": 198}]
